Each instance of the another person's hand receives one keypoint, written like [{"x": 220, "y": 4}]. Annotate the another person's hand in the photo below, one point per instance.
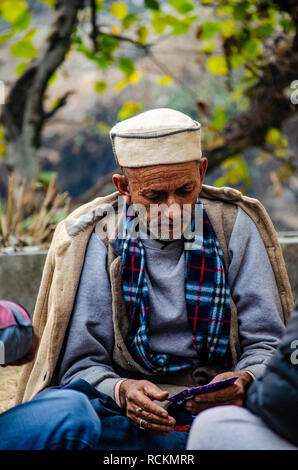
[
  {"x": 30, "y": 354},
  {"x": 137, "y": 397},
  {"x": 232, "y": 395}
]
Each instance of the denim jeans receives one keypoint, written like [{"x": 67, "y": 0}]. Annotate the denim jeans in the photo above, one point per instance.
[{"x": 77, "y": 417}]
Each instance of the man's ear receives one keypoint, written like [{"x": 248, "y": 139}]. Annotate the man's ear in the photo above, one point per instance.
[
  {"x": 121, "y": 183},
  {"x": 203, "y": 168}
]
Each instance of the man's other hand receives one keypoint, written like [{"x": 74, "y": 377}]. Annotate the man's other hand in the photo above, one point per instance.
[
  {"x": 232, "y": 395},
  {"x": 137, "y": 397}
]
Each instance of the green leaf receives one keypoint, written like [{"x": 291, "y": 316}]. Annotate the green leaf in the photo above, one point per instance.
[
  {"x": 217, "y": 65},
  {"x": 128, "y": 109},
  {"x": 142, "y": 33},
  {"x": 236, "y": 94},
  {"x": 99, "y": 5},
  {"x": 152, "y": 4},
  {"x": 24, "y": 49},
  {"x": 55, "y": 103},
  {"x": 166, "y": 80},
  {"x": 208, "y": 30},
  {"x": 287, "y": 25},
  {"x": 108, "y": 44},
  {"x": 179, "y": 26},
  {"x": 20, "y": 68},
  {"x": 236, "y": 60},
  {"x": 252, "y": 48},
  {"x": 159, "y": 22},
  {"x": 273, "y": 136},
  {"x": 239, "y": 10},
  {"x": 5, "y": 37},
  {"x": 45, "y": 177},
  {"x": 104, "y": 61},
  {"x": 119, "y": 10},
  {"x": 182, "y": 6},
  {"x": 103, "y": 127},
  {"x": 264, "y": 31},
  {"x": 100, "y": 86},
  {"x": 128, "y": 20},
  {"x": 236, "y": 171},
  {"x": 228, "y": 28},
  {"x": 208, "y": 47},
  {"x": 52, "y": 79},
  {"x": 219, "y": 119},
  {"x": 23, "y": 22},
  {"x": 126, "y": 66},
  {"x": 12, "y": 11}
]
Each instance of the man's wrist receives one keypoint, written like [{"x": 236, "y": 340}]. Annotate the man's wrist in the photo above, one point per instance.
[
  {"x": 253, "y": 377},
  {"x": 117, "y": 392}
]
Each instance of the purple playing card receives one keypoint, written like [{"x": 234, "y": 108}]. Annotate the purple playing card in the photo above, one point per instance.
[{"x": 189, "y": 393}]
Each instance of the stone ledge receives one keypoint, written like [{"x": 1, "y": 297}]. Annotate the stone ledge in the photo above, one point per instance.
[{"x": 20, "y": 276}]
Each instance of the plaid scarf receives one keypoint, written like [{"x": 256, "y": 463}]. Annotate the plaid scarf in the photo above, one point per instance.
[{"x": 207, "y": 296}]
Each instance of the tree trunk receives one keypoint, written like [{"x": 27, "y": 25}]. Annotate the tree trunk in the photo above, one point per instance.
[{"x": 23, "y": 114}]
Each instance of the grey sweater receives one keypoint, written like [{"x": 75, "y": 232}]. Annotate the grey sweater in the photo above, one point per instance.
[{"x": 90, "y": 338}]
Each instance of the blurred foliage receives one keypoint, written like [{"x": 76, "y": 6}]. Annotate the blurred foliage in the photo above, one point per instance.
[
  {"x": 235, "y": 172},
  {"x": 233, "y": 44},
  {"x": 29, "y": 215}
]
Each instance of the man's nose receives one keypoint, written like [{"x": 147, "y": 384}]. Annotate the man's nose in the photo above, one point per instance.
[{"x": 173, "y": 210}]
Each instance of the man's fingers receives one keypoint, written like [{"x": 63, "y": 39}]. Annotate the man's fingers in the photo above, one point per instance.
[
  {"x": 162, "y": 428},
  {"x": 218, "y": 395},
  {"x": 156, "y": 393},
  {"x": 153, "y": 418},
  {"x": 148, "y": 405}
]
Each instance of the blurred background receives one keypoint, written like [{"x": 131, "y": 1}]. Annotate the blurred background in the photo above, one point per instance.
[{"x": 72, "y": 69}]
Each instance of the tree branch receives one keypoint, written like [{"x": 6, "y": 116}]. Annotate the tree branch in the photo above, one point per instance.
[{"x": 61, "y": 102}]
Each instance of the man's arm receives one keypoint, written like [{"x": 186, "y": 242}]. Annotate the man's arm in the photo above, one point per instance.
[
  {"x": 89, "y": 342},
  {"x": 254, "y": 291}
]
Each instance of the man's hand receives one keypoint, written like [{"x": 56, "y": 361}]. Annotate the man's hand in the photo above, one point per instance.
[
  {"x": 231, "y": 395},
  {"x": 137, "y": 397}
]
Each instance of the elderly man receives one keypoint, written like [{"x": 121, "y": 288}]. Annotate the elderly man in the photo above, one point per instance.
[{"x": 139, "y": 315}]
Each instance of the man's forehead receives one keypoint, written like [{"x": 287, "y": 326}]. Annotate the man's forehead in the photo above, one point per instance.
[
  {"x": 166, "y": 184},
  {"x": 163, "y": 172}
]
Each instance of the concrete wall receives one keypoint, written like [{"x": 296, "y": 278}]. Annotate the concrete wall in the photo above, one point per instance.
[
  {"x": 289, "y": 245},
  {"x": 20, "y": 273}
]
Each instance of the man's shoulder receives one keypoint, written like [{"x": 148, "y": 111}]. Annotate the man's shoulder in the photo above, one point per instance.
[
  {"x": 226, "y": 194},
  {"x": 225, "y": 203},
  {"x": 90, "y": 206}
]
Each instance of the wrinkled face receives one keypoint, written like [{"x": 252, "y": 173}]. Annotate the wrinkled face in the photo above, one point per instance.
[{"x": 167, "y": 192}]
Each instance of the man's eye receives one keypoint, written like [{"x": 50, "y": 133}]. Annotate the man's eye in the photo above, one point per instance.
[{"x": 185, "y": 191}]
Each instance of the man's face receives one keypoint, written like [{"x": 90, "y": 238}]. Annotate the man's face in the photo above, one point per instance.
[{"x": 163, "y": 190}]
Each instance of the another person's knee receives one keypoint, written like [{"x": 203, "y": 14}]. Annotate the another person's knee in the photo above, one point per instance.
[
  {"x": 206, "y": 428},
  {"x": 75, "y": 416}
]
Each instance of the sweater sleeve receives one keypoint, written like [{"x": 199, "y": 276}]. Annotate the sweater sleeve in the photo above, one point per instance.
[
  {"x": 89, "y": 341},
  {"x": 274, "y": 397},
  {"x": 254, "y": 291}
]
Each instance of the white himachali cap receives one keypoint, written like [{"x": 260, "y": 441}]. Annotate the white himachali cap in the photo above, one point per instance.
[{"x": 156, "y": 137}]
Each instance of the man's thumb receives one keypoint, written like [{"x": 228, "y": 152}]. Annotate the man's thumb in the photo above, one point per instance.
[{"x": 155, "y": 392}]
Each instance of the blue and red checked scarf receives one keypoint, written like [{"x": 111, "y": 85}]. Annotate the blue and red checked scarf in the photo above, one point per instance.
[{"x": 207, "y": 296}]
